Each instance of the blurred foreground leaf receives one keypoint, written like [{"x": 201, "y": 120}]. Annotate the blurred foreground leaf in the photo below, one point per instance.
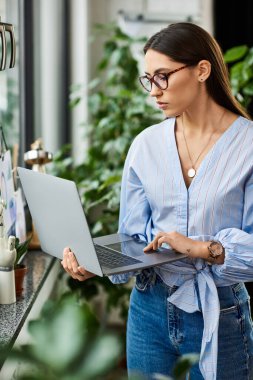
[
  {"x": 184, "y": 364},
  {"x": 68, "y": 344}
]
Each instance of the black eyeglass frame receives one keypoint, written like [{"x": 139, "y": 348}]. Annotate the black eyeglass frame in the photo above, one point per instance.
[{"x": 166, "y": 76}]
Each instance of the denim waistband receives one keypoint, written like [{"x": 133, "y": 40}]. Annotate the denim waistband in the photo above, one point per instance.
[
  {"x": 235, "y": 294},
  {"x": 228, "y": 295}
]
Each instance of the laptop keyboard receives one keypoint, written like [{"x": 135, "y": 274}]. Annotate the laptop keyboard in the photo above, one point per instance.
[{"x": 111, "y": 259}]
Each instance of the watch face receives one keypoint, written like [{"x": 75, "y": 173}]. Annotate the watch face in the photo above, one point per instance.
[{"x": 216, "y": 248}]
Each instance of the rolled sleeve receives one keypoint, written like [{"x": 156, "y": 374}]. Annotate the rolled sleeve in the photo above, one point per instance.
[
  {"x": 238, "y": 264},
  {"x": 238, "y": 244}
]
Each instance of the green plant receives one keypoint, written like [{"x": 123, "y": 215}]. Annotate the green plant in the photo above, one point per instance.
[
  {"x": 69, "y": 344},
  {"x": 118, "y": 112},
  {"x": 240, "y": 61},
  {"x": 117, "y": 296},
  {"x": 21, "y": 249}
]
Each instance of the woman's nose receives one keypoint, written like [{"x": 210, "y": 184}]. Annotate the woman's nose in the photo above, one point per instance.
[{"x": 155, "y": 91}]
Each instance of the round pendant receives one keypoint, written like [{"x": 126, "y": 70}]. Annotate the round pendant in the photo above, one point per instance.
[{"x": 191, "y": 173}]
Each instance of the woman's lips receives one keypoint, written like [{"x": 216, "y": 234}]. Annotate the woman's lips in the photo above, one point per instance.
[{"x": 162, "y": 105}]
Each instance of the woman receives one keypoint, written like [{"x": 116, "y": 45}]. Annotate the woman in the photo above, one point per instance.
[{"x": 188, "y": 183}]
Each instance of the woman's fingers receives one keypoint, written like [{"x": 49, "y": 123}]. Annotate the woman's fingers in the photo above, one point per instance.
[
  {"x": 84, "y": 273},
  {"x": 65, "y": 261},
  {"x": 71, "y": 266},
  {"x": 159, "y": 239},
  {"x": 69, "y": 262},
  {"x": 148, "y": 247},
  {"x": 80, "y": 277},
  {"x": 72, "y": 262},
  {"x": 151, "y": 246}
]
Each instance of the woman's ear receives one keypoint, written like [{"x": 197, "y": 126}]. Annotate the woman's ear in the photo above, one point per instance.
[{"x": 204, "y": 70}]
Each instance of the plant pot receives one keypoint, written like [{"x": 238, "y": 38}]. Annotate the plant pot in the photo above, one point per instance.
[{"x": 20, "y": 272}]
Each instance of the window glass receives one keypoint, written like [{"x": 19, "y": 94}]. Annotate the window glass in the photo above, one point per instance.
[{"x": 9, "y": 78}]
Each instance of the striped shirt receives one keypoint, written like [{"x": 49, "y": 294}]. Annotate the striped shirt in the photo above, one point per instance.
[{"x": 218, "y": 205}]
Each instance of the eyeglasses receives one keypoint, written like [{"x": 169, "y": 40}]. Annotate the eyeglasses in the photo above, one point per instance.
[{"x": 161, "y": 80}]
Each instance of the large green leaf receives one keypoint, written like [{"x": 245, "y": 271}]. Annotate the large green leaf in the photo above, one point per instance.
[
  {"x": 102, "y": 355},
  {"x": 235, "y": 53},
  {"x": 249, "y": 58},
  {"x": 57, "y": 340},
  {"x": 184, "y": 364}
]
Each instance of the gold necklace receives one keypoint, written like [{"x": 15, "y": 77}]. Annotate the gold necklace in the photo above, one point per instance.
[{"x": 192, "y": 171}]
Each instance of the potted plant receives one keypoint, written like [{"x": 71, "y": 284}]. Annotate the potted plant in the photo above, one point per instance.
[{"x": 20, "y": 269}]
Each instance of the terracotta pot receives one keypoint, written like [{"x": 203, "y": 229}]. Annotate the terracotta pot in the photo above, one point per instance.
[{"x": 20, "y": 273}]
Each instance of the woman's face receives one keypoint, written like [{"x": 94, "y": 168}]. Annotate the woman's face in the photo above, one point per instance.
[{"x": 183, "y": 86}]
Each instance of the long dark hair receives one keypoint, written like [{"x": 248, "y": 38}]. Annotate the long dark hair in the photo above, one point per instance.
[{"x": 188, "y": 43}]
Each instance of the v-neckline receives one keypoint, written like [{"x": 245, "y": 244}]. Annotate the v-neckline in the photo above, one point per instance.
[{"x": 204, "y": 160}]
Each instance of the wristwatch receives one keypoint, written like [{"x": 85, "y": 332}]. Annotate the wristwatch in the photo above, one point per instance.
[{"x": 215, "y": 249}]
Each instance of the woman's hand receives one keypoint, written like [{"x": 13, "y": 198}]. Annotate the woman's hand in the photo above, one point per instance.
[
  {"x": 72, "y": 267},
  {"x": 180, "y": 243}
]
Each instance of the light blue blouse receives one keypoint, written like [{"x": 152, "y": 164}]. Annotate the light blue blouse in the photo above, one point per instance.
[{"x": 218, "y": 205}]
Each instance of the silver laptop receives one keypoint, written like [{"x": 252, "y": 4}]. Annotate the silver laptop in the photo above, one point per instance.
[{"x": 60, "y": 222}]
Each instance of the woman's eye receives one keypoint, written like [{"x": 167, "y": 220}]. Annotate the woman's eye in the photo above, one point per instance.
[{"x": 162, "y": 77}]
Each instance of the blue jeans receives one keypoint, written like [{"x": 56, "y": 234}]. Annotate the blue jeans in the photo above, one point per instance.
[{"x": 158, "y": 333}]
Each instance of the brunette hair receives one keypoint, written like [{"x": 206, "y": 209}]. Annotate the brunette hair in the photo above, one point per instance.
[{"x": 188, "y": 43}]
